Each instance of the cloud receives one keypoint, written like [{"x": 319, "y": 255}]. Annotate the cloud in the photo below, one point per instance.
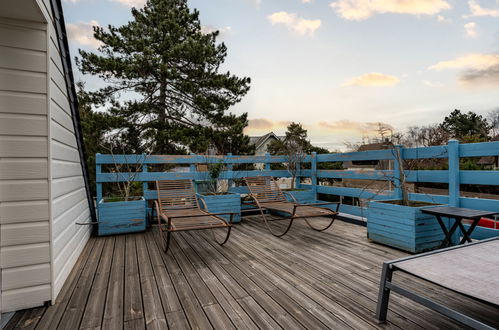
[
  {"x": 373, "y": 79},
  {"x": 224, "y": 32},
  {"x": 443, "y": 19},
  {"x": 470, "y": 30},
  {"x": 479, "y": 69},
  {"x": 432, "y": 84},
  {"x": 364, "y": 128},
  {"x": 363, "y": 9},
  {"x": 306, "y": 1},
  {"x": 487, "y": 77},
  {"x": 294, "y": 23},
  {"x": 131, "y": 3},
  {"x": 266, "y": 124},
  {"x": 82, "y": 33},
  {"x": 477, "y": 10},
  {"x": 470, "y": 61}
]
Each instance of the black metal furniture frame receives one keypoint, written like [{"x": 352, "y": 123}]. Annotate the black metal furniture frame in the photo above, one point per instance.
[
  {"x": 458, "y": 214},
  {"x": 386, "y": 286}
]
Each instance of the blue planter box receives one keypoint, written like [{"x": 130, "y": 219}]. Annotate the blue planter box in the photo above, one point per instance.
[
  {"x": 403, "y": 227},
  {"x": 301, "y": 196},
  {"x": 230, "y": 202},
  {"x": 121, "y": 217}
]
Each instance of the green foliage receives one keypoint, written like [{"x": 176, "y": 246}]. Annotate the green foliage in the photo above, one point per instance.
[
  {"x": 470, "y": 164},
  {"x": 296, "y": 138},
  {"x": 94, "y": 126},
  {"x": 466, "y": 127},
  {"x": 215, "y": 169},
  {"x": 296, "y": 132},
  {"x": 176, "y": 100}
]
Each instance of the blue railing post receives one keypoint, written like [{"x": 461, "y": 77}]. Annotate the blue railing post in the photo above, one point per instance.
[
  {"x": 192, "y": 167},
  {"x": 192, "y": 170},
  {"x": 298, "y": 177},
  {"x": 454, "y": 183},
  {"x": 98, "y": 170},
  {"x": 397, "y": 180},
  {"x": 313, "y": 175},
  {"x": 267, "y": 163},
  {"x": 454, "y": 180},
  {"x": 230, "y": 167},
  {"x": 145, "y": 185}
]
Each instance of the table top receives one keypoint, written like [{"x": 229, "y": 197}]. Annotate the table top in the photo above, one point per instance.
[
  {"x": 458, "y": 212},
  {"x": 468, "y": 269}
]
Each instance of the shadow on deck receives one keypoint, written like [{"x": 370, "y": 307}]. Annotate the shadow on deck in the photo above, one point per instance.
[{"x": 304, "y": 280}]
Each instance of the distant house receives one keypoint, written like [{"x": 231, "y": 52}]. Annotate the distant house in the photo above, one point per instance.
[
  {"x": 261, "y": 142},
  {"x": 370, "y": 164},
  {"x": 490, "y": 162},
  {"x": 44, "y": 188}
]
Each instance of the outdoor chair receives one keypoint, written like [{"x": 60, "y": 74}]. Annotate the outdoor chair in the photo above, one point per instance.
[
  {"x": 178, "y": 209},
  {"x": 267, "y": 196}
]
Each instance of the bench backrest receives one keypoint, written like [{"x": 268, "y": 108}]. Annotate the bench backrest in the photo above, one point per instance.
[
  {"x": 265, "y": 189},
  {"x": 176, "y": 194}
]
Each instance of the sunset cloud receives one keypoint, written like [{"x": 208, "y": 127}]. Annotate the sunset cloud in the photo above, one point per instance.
[
  {"x": 256, "y": 124},
  {"x": 373, "y": 79},
  {"x": 82, "y": 33},
  {"x": 477, "y": 10},
  {"x": 363, "y": 128},
  {"x": 470, "y": 61},
  {"x": 363, "y": 9},
  {"x": 294, "y": 23},
  {"x": 479, "y": 69}
]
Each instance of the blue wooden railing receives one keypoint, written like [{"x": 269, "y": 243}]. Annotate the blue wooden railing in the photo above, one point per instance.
[{"x": 453, "y": 151}]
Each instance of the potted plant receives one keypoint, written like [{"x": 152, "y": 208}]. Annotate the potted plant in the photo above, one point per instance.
[
  {"x": 400, "y": 223},
  {"x": 294, "y": 147},
  {"x": 122, "y": 212},
  {"x": 215, "y": 197}
]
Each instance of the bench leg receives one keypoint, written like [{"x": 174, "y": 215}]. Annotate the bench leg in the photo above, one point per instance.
[{"x": 384, "y": 293}]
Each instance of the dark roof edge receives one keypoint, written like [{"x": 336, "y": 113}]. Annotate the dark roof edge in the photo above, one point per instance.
[{"x": 62, "y": 41}]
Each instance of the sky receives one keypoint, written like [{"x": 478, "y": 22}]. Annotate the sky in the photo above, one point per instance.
[{"x": 340, "y": 67}]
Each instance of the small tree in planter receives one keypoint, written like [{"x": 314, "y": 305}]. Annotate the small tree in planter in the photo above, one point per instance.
[
  {"x": 294, "y": 147},
  {"x": 400, "y": 223},
  {"x": 122, "y": 212},
  {"x": 218, "y": 199}
]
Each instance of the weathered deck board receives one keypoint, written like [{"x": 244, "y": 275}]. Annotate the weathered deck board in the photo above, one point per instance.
[{"x": 306, "y": 280}]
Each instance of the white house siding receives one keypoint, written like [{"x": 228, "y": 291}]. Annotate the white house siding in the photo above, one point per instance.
[
  {"x": 24, "y": 179},
  {"x": 69, "y": 200}
]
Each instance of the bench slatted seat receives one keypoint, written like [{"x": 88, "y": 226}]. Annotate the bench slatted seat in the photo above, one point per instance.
[
  {"x": 267, "y": 195},
  {"x": 177, "y": 209}
]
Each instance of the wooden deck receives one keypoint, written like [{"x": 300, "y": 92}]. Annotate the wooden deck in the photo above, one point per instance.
[{"x": 305, "y": 280}]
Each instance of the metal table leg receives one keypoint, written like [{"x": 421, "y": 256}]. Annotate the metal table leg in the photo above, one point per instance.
[
  {"x": 467, "y": 233},
  {"x": 384, "y": 292},
  {"x": 448, "y": 236}
]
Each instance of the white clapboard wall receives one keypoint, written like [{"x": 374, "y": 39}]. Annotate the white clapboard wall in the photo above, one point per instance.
[{"x": 42, "y": 191}]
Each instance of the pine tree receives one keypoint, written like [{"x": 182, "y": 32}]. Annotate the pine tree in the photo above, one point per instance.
[{"x": 168, "y": 71}]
